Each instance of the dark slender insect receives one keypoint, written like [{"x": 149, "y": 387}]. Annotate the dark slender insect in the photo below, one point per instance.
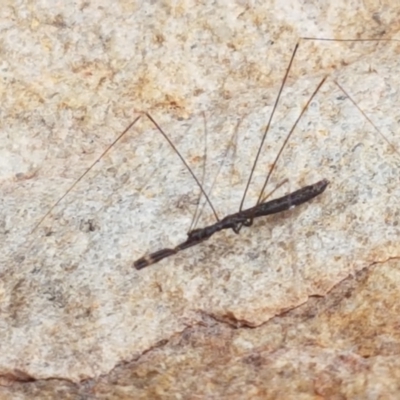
[
  {"x": 242, "y": 218},
  {"x": 237, "y": 220}
]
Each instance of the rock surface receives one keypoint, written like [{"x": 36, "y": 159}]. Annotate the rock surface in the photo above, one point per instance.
[{"x": 73, "y": 309}]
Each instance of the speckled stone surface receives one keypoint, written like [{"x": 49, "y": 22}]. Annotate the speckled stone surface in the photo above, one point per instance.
[{"x": 212, "y": 320}]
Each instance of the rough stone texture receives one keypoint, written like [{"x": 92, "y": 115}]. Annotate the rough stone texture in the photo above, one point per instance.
[{"x": 76, "y": 318}]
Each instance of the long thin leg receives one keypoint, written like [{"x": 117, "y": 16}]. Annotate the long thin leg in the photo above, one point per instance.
[
  {"x": 260, "y": 197},
  {"x": 367, "y": 118},
  {"x": 288, "y": 137},
  {"x": 85, "y": 173},
  {"x": 184, "y": 163},
  {"x": 224, "y": 157},
  {"x": 199, "y": 207},
  {"x": 348, "y": 40},
  {"x": 268, "y": 126}
]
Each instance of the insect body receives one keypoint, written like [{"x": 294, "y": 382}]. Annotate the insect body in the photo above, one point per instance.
[
  {"x": 237, "y": 220},
  {"x": 242, "y": 217}
]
